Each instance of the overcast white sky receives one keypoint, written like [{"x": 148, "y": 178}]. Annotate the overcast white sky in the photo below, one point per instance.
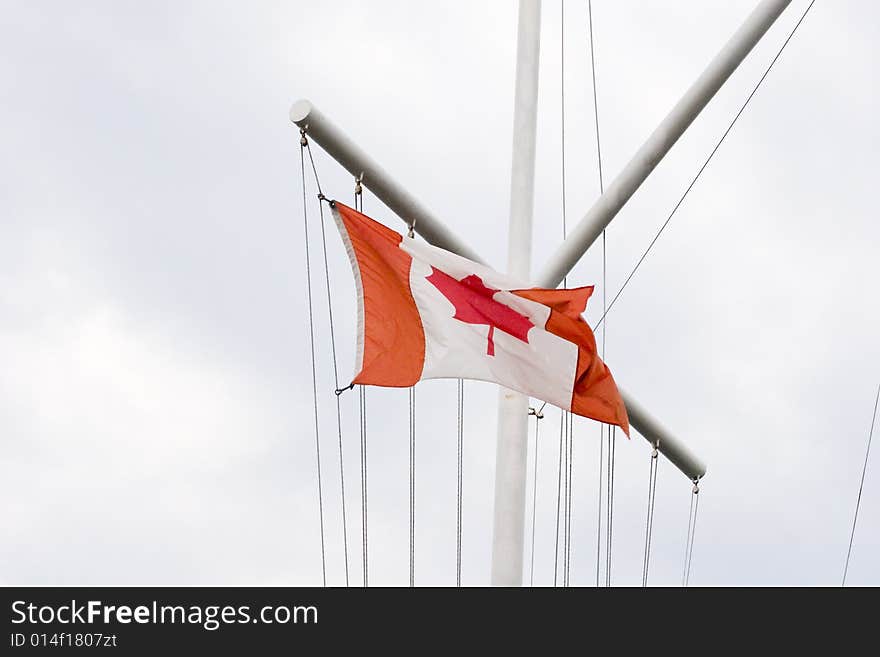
[{"x": 155, "y": 400}]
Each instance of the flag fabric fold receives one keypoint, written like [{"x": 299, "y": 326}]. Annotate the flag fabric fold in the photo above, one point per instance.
[{"x": 426, "y": 313}]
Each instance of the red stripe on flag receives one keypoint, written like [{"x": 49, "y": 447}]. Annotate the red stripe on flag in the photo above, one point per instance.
[{"x": 393, "y": 336}]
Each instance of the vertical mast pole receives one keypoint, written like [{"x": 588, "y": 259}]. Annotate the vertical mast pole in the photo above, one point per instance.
[{"x": 510, "y": 456}]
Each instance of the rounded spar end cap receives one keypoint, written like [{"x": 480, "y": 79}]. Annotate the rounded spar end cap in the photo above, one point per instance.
[{"x": 300, "y": 111}]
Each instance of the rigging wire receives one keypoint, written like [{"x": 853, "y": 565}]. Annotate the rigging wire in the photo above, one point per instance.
[
  {"x": 412, "y": 486},
  {"x": 861, "y": 486},
  {"x": 333, "y": 355},
  {"x": 560, "y": 512},
  {"x": 568, "y": 504},
  {"x": 603, "y": 429},
  {"x": 612, "y": 451},
  {"x": 558, "y": 496},
  {"x": 687, "y": 542},
  {"x": 539, "y": 415},
  {"x": 362, "y": 399},
  {"x": 692, "y": 530},
  {"x": 649, "y": 522},
  {"x": 460, "y": 480},
  {"x": 303, "y": 142},
  {"x": 567, "y": 421},
  {"x": 562, "y": 122},
  {"x": 595, "y": 99},
  {"x": 703, "y": 167},
  {"x": 599, "y": 520}
]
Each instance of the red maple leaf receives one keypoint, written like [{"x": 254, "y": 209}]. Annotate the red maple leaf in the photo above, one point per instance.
[{"x": 475, "y": 304}]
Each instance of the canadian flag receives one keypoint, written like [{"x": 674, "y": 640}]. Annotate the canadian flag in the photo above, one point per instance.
[{"x": 426, "y": 313}]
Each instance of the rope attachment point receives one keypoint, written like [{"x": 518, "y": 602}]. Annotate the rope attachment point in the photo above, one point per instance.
[{"x": 538, "y": 413}]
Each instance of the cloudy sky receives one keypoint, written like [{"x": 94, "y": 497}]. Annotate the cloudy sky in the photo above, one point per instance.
[{"x": 155, "y": 392}]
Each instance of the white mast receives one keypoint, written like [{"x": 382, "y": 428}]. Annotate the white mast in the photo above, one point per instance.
[{"x": 510, "y": 455}]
